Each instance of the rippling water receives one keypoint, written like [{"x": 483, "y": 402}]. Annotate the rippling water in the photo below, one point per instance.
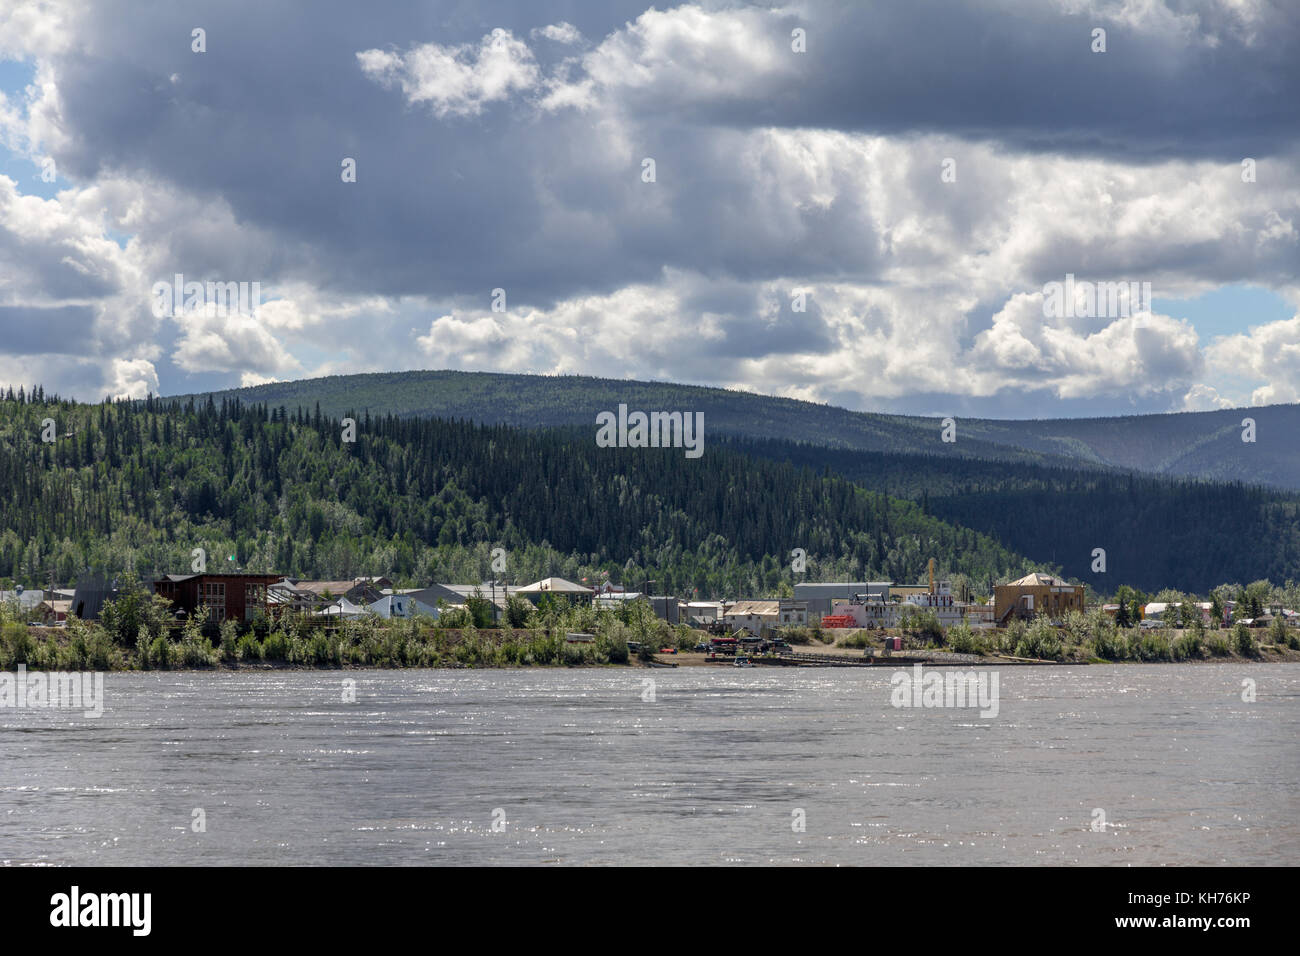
[{"x": 584, "y": 771}]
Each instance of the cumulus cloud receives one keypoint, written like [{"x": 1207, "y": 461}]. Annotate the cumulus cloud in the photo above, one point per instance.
[
  {"x": 1204, "y": 398},
  {"x": 230, "y": 342},
  {"x": 133, "y": 378},
  {"x": 456, "y": 80},
  {"x": 562, "y": 32},
  {"x": 1270, "y": 352},
  {"x": 512, "y": 157}
]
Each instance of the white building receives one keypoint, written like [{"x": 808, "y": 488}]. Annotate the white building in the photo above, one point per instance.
[
  {"x": 401, "y": 605},
  {"x": 890, "y": 614},
  {"x": 819, "y": 596},
  {"x": 753, "y": 616},
  {"x": 700, "y": 613}
]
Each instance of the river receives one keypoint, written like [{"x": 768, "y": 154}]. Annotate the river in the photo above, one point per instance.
[{"x": 1113, "y": 765}]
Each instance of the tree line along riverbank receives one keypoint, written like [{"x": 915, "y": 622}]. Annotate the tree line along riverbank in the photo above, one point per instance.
[{"x": 135, "y": 633}]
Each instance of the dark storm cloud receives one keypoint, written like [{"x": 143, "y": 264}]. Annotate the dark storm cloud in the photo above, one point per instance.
[
  {"x": 1023, "y": 73},
  {"x": 751, "y": 328},
  {"x": 56, "y": 268},
  {"x": 515, "y": 198},
  {"x": 225, "y": 166},
  {"x": 30, "y": 330}
]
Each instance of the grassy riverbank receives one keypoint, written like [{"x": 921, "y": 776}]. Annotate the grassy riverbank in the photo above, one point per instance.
[
  {"x": 405, "y": 644},
  {"x": 1094, "y": 637},
  {"x": 136, "y": 634}
]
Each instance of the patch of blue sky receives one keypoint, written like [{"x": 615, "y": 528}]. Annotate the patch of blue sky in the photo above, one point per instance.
[
  {"x": 1227, "y": 310},
  {"x": 15, "y": 77}
]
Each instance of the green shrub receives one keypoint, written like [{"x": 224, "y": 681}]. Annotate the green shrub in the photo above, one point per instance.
[
  {"x": 1040, "y": 641},
  {"x": 1110, "y": 646},
  {"x": 575, "y": 655},
  {"x": 1277, "y": 632},
  {"x": 1009, "y": 638},
  {"x": 1150, "y": 647},
  {"x": 161, "y": 652},
  {"x": 1188, "y": 647},
  {"x": 855, "y": 639},
  {"x": 142, "y": 655},
  {"x": 229, "y": 641},
  {"x": 248, "y": 648},
  {"x": 276, "y": 646},
  {"x": 1245, "y": 641},
  {"x": 196, "y": 651},
  {"x": 964, "y": 640},
  {"x": 92, "y": 649},
  {"x": 1217, "y": 645},
  {"x": 922, "y": 625},
  {"x": 16, "y": 645},
  {"x": 613, "y": 649},
  {"x": 797, "y": 635},
  {"x": 321, "y": 650},
  {"x": 44, "y": 655}
]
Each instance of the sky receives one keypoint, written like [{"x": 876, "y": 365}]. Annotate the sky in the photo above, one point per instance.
[{"x": 864, "y": 204}]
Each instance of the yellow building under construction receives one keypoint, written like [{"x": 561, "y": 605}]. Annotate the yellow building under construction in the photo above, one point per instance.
[{"x": 1036, "y": 594}]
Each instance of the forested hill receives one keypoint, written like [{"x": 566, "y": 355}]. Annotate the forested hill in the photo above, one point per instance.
[
  {"x": 1192, "y": 444},
  {"x": 1157, "y": 532},
  {"x": 138, "y": 485}
]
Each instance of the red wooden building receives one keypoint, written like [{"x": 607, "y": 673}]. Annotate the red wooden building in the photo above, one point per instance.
[{"x": 236, "y": 597}]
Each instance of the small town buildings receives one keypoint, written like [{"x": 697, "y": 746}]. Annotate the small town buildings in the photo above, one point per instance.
[
  {"x": 27, "y": 601},
  {"x": 862, "y": 613},
  {"x": 493, "y": 592},
  {"x": 35, "y": 604},
  {"x": 356, "y": 590},
  {"x": 556, "y": 587},
  {"x": 1036, "y": 594},
  {"x": 434, "y": 593},
  {"x": 819, "y": 596},
  {"x": 59, "y": 610},
  {"x": 88, "y": 597},
  {"x": 388, "y": 607},
  {"x": 700, "y": 613},
  {"x": 226, "y": 597},
  {"x": 792, "y": 613},
  {"x": 401, "y": 605},
  {"x": 875, "y": 613},
  {"x": 609, "y": 600},
  {"x": 342, "y": 608},
  {"x": 665, "y": 606},
  {"x": 284, "y": 595},
  {"x": 752, "y": 616},
  {"x": 1289, "y": 617}
]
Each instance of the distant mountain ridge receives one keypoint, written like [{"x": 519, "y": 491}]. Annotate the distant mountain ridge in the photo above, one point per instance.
[{"x": 1205, "y": 445}]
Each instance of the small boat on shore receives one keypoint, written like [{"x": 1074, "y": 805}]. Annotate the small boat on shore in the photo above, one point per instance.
[{"x": 743, "y": 662}]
